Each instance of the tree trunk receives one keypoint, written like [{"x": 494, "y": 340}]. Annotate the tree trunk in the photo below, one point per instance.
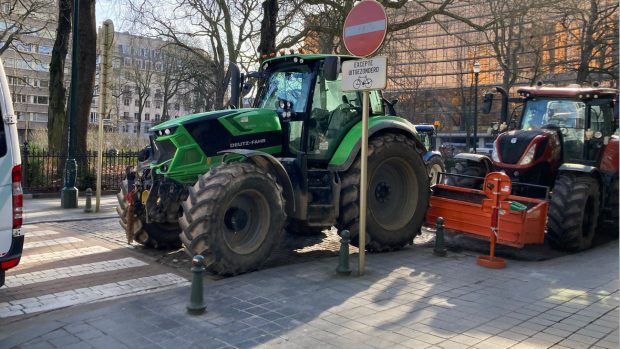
[
  {"x": 56, "y": 111},
  {"x": 268, "y": 28},
  {"x": 87, "y": 59}
]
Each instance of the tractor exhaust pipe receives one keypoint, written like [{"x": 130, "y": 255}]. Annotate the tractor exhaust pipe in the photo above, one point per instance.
[
  {"x": 504, "y": 112},
  {"x": 235, "y": 85}
]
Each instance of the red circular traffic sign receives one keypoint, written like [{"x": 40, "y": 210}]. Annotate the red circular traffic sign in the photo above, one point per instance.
[{"x": 365, "y": 28}]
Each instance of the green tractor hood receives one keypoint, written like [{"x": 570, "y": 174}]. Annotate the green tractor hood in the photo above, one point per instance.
[{"x": 187, "y": 147}]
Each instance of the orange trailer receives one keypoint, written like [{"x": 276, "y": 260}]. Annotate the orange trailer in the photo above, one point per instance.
[{"x": 492, "y": 214}]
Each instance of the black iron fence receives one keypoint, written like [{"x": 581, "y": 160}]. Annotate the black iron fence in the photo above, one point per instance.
[{"x": 43, "y": 170}]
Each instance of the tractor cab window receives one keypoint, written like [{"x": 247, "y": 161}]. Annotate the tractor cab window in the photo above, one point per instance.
[
  {"x": 289, "y": 87},
  {"x": 566, "y": 115},
  {"x": 333, "y": 113}
]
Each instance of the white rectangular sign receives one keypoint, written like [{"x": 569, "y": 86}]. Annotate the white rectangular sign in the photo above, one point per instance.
[{"x": 364, "y": 74}]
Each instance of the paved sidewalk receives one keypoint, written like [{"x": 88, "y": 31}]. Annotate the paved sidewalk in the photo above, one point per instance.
[
  {"x": 407, "y": 299},
  {"x": 41, "y": 210}
]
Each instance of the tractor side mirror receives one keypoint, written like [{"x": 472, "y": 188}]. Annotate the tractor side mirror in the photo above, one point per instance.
[
  {"x": 487, "y": 103},
  {"x": 331, "y": 68}
]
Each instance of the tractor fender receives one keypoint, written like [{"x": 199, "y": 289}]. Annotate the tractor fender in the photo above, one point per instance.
[
  {"x": 350, "y": 146},
  {"x": 477, "y": 158},
  {"x": 268, "y": 163},
  {"x": 429, "y": 154},
  {"x": 571, "y": 167}
]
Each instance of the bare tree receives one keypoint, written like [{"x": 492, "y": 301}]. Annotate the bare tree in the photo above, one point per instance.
[
  {"x": 223, "y": 28},
  {"x": 174, "y": 72},
  {"x": 141, "y": 80},
  {"x": 23, "y": 18},
  {"x": 593, "y": 26}
]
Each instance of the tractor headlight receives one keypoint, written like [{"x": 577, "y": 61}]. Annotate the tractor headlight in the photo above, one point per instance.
[{"x": 529, "y": 156}]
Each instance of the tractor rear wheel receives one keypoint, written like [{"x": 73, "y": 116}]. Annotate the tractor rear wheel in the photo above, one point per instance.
[
  {"x": 398, "y": 194},
  {"x": 234, "y": 217},
  {"x": 155, "y": 235},
  {"x": 573, "y": 212}
]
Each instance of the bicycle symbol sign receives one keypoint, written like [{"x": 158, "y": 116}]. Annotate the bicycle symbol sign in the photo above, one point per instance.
[
  {"x": 363, "y": 82},
  {"x": 364, "y": 74}
]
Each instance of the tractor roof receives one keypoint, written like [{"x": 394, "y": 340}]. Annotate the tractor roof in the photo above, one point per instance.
[{"x": 567, "y": 92}]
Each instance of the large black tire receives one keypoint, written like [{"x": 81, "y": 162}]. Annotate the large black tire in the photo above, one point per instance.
[
  {"x": 234, "y": 217},
  {"x": 434, "y": 166},
  {"x": 398, "y": 194},
  {"x": 466, "y": 168},
  {"x": 155, "y": 235},
  {"x": 300, "y": 228},
  {"x": 608, "y": 223},
  {"x": 573, "y": 212}
]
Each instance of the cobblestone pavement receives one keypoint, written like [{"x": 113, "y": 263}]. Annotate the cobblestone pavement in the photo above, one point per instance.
[
  {"x": 63, "y": 267},
  {"x": 406, "y": 299}
]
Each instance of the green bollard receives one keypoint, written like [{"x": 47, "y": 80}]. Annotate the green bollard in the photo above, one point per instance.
[
  {"x": 196, "y": 303},
  {"x": 89, "y": 205},
  {"x": 343, "y": 256},
  {"x": 440, "y": 248}
]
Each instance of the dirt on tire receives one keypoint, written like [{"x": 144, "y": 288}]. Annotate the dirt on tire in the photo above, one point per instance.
[
  {"x": 217, "y": 221},
  {"x": 154, "y": 235}
]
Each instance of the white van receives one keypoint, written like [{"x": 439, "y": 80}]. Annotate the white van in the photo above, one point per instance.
[{"x": 11, "y": 197}]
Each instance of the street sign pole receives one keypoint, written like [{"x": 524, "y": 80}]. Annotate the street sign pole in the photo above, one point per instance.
[
  {"x": 106, "y": 37},
  {"x": 363, "y": 33},
  {"x": 363, "y": 183}
]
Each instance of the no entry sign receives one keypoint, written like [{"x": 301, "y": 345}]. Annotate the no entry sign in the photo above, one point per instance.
[{"x": 365, "y": 28}]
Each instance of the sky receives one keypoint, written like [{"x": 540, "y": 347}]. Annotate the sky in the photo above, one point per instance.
[{"x": 109, "y": 9}]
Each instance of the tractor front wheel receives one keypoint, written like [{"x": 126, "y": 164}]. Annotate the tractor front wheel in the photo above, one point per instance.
[
  {"x": 608, "y": 223},
  {"x": 470, "y": 169},
  {"x": 573, "y": 212},
  {"x": 398, "y": 194},
  {"x": 155, "y": 235},
  {"x": 434, "y": 166},
  {"x": 234, "y": 217}
]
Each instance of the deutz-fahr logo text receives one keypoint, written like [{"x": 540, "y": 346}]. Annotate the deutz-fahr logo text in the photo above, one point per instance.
[{"x": 247, "y": 143}]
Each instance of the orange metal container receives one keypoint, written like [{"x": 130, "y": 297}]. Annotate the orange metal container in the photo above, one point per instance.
[{"x": 469, "y": 211}]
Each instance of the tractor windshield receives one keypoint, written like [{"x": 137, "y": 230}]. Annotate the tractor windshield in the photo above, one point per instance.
[
  {"x": 553, "y": 112},
  {"x": 291, "y": 84}
]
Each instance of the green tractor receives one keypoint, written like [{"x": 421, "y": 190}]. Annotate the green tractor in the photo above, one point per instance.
[{"x": 229, "y": 182}]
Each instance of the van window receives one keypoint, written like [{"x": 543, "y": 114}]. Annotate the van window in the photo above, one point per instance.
[{"x": 2, "y": 141}]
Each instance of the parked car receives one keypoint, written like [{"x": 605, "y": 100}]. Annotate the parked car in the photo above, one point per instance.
[{"x": 11, "y": 196}]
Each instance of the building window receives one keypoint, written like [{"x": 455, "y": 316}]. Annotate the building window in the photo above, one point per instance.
[
  {"x": 177, "y": 106},
  {"x": 39, "y": 99},
  {"x": 126, "y": 101},
  {"x": 136, "y": 103},
  {"x": 136, "y": 116},
  {"x": 125, "y": 128},
  {"x": 148, "y": 104},
  {"x": 127, "y": 62},
  {"x": 93, "y": 117},
  {"x": 147, "y": 117},
  {"x": 157, "y": 117},
  {"x": 158, "y": 104},
  {"x": 126, "y": 115}
]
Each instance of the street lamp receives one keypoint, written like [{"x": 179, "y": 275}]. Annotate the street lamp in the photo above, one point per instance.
[
  {"x": 69, "y": 193},
  {"x": 476, "y": 72}
]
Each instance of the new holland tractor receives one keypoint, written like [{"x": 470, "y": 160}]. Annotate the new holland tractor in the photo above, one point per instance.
[
  {"x": 566, "y": 139},
  {"x": 227, "y": 183}
]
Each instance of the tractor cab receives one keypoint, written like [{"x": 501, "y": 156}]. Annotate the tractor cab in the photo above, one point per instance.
[
  {"x": 305, "y": 92},
  {"x": 582, "y": 116}
]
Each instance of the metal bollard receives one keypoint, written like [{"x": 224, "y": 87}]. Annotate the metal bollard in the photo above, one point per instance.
[
  {"x": 343, "y": 256},
  {"x": 196, "y": 304},
  {"x": 440, "y": 248},
  {"x": 89, "y": 204}
]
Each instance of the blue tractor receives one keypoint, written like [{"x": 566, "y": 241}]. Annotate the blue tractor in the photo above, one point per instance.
[{"x": 432, "y": 158}]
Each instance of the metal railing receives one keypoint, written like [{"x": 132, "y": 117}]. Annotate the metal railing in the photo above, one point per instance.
[{"x": 43, "y": 170}]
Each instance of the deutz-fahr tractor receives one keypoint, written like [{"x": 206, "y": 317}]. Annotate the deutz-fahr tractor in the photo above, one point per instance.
[
  {"x": 566, "y": 139},
  {"x": 229, "y": 182}
]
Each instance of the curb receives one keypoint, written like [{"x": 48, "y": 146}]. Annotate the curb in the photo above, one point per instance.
[{"x": 61, "y": 220}]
